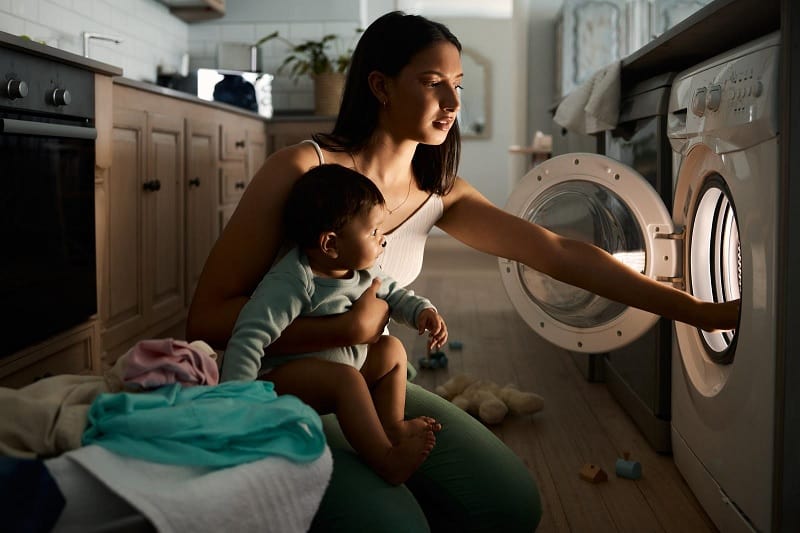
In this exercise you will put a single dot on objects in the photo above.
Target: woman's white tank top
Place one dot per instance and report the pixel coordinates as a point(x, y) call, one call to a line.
point(405, 244)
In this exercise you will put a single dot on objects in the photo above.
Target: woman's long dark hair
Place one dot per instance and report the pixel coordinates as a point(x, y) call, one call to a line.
point(386, 46)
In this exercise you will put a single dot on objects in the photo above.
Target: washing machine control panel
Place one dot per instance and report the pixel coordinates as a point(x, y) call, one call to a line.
point(735, 98)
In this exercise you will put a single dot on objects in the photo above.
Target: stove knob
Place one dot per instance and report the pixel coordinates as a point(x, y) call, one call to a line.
point(16, 89)
point(61, 97)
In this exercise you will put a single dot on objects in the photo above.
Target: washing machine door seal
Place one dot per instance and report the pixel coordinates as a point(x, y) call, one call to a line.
point(590, 197)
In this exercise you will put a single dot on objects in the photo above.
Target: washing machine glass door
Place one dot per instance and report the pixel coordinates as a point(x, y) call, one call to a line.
point(596, 199)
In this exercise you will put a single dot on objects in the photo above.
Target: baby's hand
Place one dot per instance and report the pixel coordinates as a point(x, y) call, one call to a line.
point(432, 322)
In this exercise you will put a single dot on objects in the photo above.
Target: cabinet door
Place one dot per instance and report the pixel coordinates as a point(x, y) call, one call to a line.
point(592, 36)
point(121, 306)
point(165, 293)
point(256, 150)
point(201, 177)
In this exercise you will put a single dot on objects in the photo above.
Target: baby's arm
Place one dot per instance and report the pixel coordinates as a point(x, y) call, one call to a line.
point(431, 321)
point(413, 310)
point(276, 302)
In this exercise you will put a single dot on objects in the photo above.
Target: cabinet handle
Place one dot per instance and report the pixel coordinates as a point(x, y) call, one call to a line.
point(152, 185)
point(239, 144)
point(239, 185)
point(194, 183)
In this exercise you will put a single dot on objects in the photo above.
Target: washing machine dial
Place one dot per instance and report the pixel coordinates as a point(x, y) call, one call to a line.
point(714, 97)
point(699, 102)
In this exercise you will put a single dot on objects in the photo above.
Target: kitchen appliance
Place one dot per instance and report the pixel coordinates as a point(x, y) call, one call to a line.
point(47, 225)
point(638, 375)
point(723, 128)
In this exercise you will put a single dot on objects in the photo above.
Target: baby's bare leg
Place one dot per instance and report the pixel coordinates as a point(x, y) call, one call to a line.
point(337, 388)
point(385, 374)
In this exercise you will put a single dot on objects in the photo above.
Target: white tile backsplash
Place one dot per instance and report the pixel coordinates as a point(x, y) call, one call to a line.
point(151, 36)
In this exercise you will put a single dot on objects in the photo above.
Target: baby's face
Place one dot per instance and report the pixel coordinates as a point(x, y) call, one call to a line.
point(361, 241)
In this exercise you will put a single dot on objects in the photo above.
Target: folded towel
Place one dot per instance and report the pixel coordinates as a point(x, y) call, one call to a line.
point(271, 494)
point(594, 105)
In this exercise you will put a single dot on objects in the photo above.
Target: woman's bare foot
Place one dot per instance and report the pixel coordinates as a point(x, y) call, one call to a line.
point(408, 428)
point(405, 457)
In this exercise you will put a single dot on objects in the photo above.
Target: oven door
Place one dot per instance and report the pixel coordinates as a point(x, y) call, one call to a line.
point(47, 228)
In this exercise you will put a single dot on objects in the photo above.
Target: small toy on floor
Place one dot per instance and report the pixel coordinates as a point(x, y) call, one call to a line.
point(488, 401)
point(593, 473)
point(627, 468)
point(434, 360)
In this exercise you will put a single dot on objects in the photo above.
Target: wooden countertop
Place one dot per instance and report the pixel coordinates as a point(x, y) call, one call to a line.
point(187, 97)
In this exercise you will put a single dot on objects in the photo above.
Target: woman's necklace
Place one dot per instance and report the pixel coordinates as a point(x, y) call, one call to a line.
point(398, 206)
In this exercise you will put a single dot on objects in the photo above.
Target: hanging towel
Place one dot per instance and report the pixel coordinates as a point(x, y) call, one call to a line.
point(594, 105)
point(224, 425)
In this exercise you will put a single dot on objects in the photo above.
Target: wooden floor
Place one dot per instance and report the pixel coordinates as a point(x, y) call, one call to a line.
point(581, 422)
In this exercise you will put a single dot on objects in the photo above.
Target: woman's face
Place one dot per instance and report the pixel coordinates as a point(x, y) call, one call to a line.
point(423, 98)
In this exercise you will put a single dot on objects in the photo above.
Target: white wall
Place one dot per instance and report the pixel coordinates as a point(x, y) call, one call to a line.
point(151, 35)
point(485, 163)
point(521, 81)
point(246, 21)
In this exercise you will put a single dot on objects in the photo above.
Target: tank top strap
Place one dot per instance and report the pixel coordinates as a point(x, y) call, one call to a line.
point(316, 148)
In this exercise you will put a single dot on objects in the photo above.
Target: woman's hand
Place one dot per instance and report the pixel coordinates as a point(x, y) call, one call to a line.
point(432, 322)
point(718, 316)
point(369, 315)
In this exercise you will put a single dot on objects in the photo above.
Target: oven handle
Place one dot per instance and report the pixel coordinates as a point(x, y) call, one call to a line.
point(25, 127)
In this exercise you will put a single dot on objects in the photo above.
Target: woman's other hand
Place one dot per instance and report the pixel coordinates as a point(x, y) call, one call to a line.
point(369, 315)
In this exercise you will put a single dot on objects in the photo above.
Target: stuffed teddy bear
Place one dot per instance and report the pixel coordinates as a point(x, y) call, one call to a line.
point(487, 400)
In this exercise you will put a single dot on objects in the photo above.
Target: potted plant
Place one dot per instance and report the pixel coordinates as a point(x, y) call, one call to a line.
point(320, 60)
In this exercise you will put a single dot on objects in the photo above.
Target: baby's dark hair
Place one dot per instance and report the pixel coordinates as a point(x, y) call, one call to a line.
point(324, 199)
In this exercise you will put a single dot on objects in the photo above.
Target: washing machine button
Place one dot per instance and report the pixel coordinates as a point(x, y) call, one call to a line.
point(714, 97)
point(758, 88)
point(699, 102)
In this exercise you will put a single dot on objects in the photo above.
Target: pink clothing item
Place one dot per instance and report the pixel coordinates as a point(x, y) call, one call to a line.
point(156, 362)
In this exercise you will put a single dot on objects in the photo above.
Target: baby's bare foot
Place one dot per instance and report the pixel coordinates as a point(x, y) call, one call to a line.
point(405, 458)
point(408, 428)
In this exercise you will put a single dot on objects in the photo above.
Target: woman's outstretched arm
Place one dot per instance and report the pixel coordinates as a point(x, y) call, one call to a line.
point(245, 251)
point(472, 219)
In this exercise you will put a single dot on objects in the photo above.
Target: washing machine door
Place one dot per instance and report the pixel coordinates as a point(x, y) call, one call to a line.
point(597, 199)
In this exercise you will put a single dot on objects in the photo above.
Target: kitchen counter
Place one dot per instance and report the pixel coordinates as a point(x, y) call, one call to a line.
point(14, 42)
point(187, 97)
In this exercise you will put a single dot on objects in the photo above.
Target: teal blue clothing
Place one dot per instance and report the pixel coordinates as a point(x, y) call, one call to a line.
point(224, 425)
point(289, 290)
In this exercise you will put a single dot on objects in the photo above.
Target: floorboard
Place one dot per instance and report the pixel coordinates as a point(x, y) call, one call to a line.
point(580, 423)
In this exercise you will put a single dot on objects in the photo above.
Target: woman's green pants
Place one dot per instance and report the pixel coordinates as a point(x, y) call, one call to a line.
point(470, 482)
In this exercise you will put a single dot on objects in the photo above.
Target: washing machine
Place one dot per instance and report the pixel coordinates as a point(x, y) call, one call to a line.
point(718, 243)
point(723, 128)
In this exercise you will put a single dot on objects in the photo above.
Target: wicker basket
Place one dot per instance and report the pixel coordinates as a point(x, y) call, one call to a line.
point(328, 93)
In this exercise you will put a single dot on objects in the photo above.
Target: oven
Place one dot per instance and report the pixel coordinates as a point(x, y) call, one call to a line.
point(48, 280)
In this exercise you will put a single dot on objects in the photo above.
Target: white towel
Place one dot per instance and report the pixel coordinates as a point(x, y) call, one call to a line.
point(272, 494)
point(594, 105)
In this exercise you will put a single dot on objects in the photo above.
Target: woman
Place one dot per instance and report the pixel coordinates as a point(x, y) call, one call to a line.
point(397, 125)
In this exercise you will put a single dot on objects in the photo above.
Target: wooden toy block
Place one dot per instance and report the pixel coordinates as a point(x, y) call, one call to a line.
point(593, 473)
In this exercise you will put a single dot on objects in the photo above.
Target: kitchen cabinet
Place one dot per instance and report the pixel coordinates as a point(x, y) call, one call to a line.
point(75, 351)
point(144, 287)
point(196, 10)
point(590, 34)
point(202, 140)
point(289, 131)
point(178, 170)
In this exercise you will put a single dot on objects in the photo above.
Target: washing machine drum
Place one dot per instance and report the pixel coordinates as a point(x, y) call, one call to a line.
point(596, 199)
